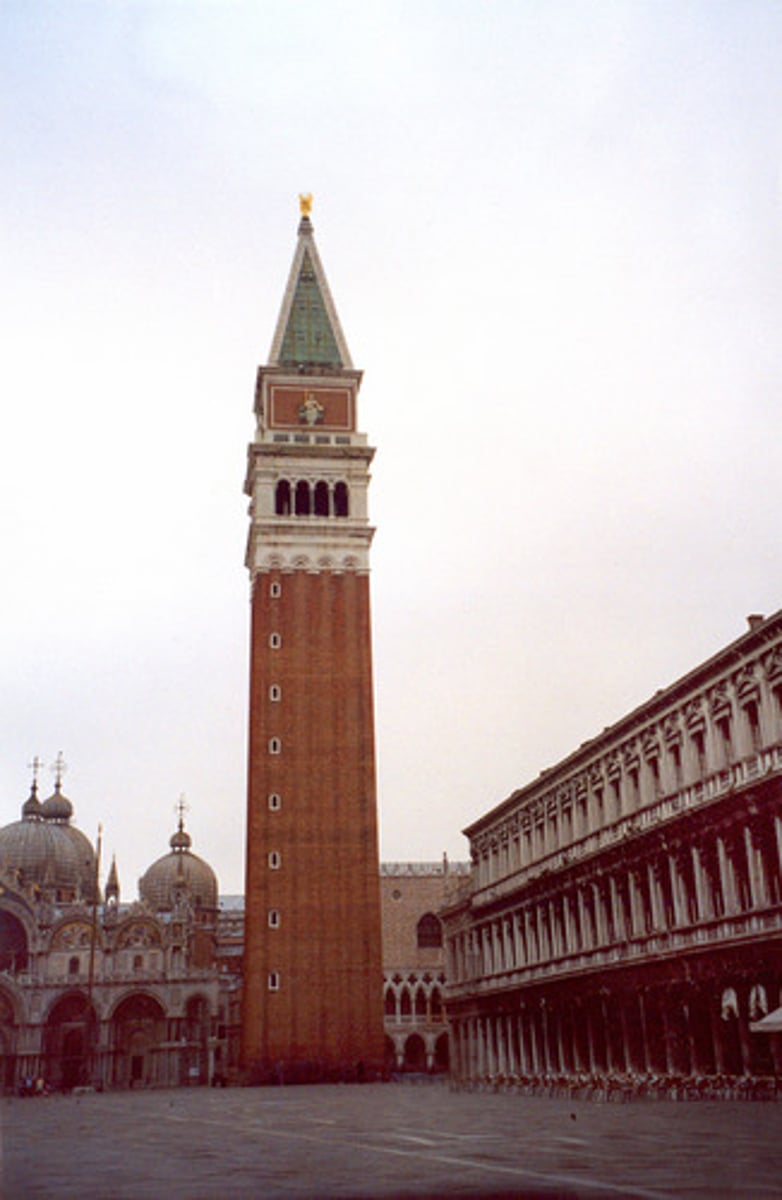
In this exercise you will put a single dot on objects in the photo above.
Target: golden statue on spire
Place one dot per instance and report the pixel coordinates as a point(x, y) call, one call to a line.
point(305, 203)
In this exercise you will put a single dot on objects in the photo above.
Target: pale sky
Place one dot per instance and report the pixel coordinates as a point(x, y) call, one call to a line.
point(553, 233)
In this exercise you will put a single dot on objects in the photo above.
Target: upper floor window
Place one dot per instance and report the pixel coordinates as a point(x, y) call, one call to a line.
point(73, 965)
point(699, 746)
point(724, 731)
point(654, 771)
point(676, 760)
point(430, 931)
point(753, 722)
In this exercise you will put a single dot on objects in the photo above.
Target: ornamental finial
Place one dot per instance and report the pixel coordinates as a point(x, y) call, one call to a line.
point(305, 203)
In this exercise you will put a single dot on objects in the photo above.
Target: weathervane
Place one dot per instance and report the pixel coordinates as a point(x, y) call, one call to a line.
point(305, 203)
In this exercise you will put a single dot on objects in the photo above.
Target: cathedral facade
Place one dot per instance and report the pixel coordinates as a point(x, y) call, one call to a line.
point(95, 992)
point(625, 910)
point(312, 1001)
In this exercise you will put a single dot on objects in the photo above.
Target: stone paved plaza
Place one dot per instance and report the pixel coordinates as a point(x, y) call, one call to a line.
point(389, 1140)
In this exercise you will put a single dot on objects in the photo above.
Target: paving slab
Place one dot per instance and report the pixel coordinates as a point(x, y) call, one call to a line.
point(383, 1140)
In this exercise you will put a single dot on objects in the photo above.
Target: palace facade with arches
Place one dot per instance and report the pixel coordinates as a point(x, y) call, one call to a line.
point(625, 909)
point(411, 896)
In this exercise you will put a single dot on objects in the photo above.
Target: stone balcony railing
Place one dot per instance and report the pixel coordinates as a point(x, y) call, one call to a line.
point(656, 945)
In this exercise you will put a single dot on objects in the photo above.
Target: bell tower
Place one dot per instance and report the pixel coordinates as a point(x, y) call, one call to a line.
point(312, 968)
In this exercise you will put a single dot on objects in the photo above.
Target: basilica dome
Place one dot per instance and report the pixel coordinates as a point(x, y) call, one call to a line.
point(47, 851)
point(179, 875)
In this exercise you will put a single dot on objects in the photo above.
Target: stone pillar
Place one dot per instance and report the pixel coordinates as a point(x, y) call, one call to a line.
point(616, 909)
point(546, 1038)
point(542, 941)
point(583, 921)
point(605, 1017)
point(778, 839)
point(480, 1048)
point(524, 1056)
point(532, 945)
point(588, 1022)
point(491, 1044)
point(703, 900)
point(668, 1032)
point(536, 1055)
point(678, 898)
point(636, 905)
point(570, 931)
point(715, 1020)
point(692, 1051)
point(510, 1037)
point(627, 1057)
point(658, 917)
point(518, 948)
point(555, 929)
point(744, 1034)
point(727, 877)
point(757, 883)
point(600, 919)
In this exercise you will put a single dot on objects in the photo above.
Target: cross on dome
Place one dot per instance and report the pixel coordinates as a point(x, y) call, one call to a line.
point(180, 808)
point(35, 767)
point(59, 766)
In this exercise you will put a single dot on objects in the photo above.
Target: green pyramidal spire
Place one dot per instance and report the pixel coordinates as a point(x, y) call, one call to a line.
point(309, 337)
point(308, 330)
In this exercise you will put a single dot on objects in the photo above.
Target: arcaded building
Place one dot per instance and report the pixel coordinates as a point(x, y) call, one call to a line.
point(312, 1004)
point(625, 909)
point(93, 991)
point(412, 895)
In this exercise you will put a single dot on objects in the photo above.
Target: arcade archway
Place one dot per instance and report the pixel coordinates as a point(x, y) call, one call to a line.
point(138, 1030)
point(69, 1042)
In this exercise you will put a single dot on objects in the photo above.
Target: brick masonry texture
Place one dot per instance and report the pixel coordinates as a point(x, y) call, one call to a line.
point(326, 949)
